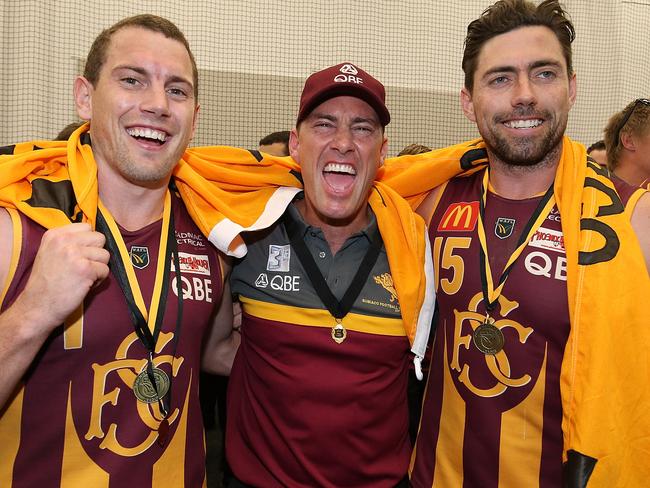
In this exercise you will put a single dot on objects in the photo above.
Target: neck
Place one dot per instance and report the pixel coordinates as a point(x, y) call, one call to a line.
point(335, 232)
point(521, 182)
point(631, 173)
point(132, 206)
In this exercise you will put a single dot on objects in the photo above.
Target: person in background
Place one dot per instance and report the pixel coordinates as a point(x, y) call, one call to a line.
point(276, 143)
point(598, 152)
point(627, 136)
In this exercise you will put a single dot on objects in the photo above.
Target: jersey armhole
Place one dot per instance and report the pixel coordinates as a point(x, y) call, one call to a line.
point(632, 201)
point(17, 233)
point(430, 203)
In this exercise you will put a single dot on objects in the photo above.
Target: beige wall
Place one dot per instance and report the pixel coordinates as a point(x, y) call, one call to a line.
point(254, 56)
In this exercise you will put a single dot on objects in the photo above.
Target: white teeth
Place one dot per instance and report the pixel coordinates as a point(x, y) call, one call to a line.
point(523, 124)
point(147, 133)
point(340, 168)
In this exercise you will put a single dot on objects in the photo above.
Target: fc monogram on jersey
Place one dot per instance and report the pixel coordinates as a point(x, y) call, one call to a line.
point(498, 365)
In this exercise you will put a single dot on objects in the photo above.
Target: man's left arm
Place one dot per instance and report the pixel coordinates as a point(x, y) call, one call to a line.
point(222, 340)
point(641, 225)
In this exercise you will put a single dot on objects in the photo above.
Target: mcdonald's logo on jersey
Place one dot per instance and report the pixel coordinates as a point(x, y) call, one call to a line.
point(461, 216)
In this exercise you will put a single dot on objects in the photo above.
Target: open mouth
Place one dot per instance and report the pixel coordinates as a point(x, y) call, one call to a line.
point(339, 176)
point(147, 135)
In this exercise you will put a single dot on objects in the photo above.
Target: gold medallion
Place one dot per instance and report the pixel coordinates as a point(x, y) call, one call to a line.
point(488, 338)
point(144, 390)
point(339, 333)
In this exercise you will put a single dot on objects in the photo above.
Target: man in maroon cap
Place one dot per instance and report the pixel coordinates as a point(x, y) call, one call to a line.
point(311, 403)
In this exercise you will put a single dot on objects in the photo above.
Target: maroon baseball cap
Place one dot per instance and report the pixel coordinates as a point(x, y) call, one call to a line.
point(344, 79)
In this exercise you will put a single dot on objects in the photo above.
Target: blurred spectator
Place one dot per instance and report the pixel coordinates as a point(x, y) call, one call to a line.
point(414, 149)
point(627, 138)
point(68, 129)
point(598, 152)
point(276, 143)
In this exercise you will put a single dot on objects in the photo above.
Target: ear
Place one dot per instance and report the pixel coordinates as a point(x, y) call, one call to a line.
point(383, 151)
point(467, 104)
point(627, 140)
point(195, 120)
point(83, 91)
point(293, 145)
point(573, 89)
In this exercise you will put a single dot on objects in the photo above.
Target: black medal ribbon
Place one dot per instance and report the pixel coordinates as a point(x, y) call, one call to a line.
point(490, 305)
point(140, 326)
point(338, 309)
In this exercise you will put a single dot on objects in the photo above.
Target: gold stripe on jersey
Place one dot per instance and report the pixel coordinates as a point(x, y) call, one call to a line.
point(77, 468)
point(449, 451)
point(166, 470)
point(521, 437)
point(315, 317)
point(10, 423)
point(74, 329)
point(16, 246)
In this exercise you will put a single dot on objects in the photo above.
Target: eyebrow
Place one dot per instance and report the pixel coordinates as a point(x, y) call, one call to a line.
point(512, 69)
point(356, 120)
point(144, 72)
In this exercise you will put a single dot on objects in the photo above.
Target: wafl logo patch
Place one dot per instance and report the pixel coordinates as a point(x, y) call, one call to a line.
point(139, 256)
point(503, 227)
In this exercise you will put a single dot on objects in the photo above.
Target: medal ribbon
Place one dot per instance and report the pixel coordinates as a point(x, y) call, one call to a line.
point(490, 293)
point(147, 323)
point(336, 308)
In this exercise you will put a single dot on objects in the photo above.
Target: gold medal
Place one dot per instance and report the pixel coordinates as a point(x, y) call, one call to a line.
point(338, 332)
point(144, 390)
point(488, 338)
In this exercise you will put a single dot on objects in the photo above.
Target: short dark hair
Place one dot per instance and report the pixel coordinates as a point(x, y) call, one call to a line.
point(273, 137)
point(596, 146)
point(414, 149)
point(507, 15)
point(97, 54)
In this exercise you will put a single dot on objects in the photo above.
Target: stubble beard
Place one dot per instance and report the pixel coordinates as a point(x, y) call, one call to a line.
point(145, 174)
point(526, 152)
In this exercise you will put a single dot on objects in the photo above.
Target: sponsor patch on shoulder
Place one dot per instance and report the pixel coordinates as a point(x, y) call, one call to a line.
point(549, 239)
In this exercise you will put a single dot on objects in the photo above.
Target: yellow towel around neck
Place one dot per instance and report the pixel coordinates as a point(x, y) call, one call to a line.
point(226, 191)
point(605, 377)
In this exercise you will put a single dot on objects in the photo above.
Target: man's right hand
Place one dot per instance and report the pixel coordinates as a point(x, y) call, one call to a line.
point(69, 262)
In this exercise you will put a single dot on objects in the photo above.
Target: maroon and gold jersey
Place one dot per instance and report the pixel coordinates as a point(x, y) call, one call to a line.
point(494, 421)
point(303, 410)
point(74, 420)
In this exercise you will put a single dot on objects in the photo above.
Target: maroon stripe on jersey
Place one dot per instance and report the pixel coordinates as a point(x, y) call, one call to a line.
point(481, 448)
point(550, 469)
point(38, 407)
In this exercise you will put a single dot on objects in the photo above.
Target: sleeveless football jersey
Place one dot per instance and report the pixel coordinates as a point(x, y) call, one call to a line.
point(304, 411)
point(488, 420)
point(75, 420)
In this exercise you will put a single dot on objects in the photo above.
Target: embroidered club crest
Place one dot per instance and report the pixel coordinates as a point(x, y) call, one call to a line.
point(503, 227)
point(139, 256)
point(386, 281)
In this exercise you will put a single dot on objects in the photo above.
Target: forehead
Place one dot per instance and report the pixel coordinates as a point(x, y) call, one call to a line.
point(345, 106)
point(520, 48)
point(144, 48)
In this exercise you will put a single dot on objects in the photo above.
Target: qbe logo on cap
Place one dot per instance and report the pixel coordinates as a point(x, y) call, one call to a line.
point(348, 75)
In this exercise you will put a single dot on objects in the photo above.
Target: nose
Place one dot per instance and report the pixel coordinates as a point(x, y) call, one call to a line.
point(342, 140)
point(524, 93)
point(155, 100)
